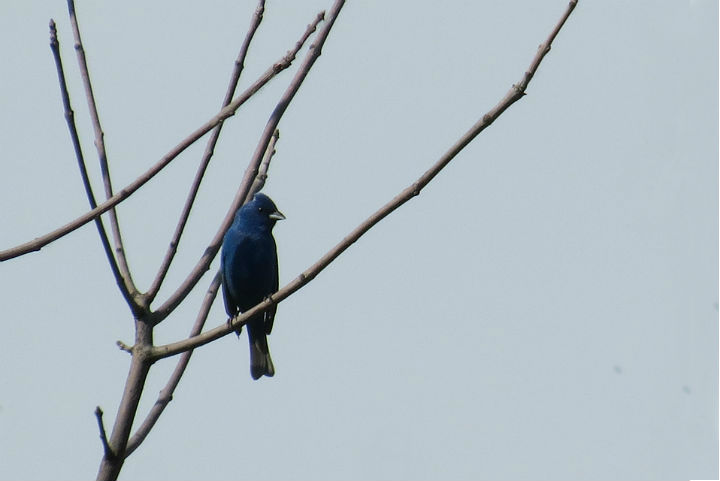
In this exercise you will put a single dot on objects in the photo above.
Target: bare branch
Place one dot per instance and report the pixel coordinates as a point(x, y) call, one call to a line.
point(110, 466)
point(141, 360)
point(41, 241)
point(102, 155)
point(261, 176)
point(124, 347)
point(515, 93)
point(207, 155)
point(75, 138)
point(103, 435)
point(166, 393)
point(203, 264)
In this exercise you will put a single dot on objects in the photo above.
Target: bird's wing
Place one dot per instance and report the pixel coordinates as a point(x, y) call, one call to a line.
point(230, 305)
point(270, 313)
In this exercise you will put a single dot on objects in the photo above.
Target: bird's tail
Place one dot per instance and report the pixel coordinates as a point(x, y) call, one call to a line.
point(260, 362)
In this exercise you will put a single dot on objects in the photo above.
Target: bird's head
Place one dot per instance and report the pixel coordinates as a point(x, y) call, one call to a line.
point(260, 211)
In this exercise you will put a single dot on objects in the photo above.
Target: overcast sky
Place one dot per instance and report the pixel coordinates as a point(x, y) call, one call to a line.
point(546, 309)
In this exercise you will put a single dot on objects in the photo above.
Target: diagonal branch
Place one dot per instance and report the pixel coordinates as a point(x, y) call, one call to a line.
point(203, 265)
point(262, 174)
point(227, 112)
point(70, 119)
point(102, 155)
point(516, 92)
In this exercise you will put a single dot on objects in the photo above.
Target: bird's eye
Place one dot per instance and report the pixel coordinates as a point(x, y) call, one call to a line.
point(259, 209)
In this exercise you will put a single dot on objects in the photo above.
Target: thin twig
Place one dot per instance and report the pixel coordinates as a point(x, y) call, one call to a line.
point(43, 240)
point(203, 265)
point(207, 155)
point(75, 138)
point(103, 435)
point(516, 92)
point(124, 347)
point(102, 154)
point(262, 174)
point(166, 393)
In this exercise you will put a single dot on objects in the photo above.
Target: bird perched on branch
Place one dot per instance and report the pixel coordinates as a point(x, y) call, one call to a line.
point(249, 268)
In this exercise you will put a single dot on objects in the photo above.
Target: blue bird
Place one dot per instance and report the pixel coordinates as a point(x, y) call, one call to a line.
point(249, 269)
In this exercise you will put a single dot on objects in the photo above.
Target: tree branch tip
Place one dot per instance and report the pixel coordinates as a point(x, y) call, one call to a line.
point(123, 346)
point(103, 434)
point(319, 18)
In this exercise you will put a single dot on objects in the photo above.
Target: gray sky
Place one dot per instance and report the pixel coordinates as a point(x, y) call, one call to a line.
point(545, 309)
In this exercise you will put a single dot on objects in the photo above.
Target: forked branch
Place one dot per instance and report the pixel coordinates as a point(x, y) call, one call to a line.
point(75, 138)
point(203, 264)
point(120, 256)
point(212, 141)
point(39, 242)
point(516, 92)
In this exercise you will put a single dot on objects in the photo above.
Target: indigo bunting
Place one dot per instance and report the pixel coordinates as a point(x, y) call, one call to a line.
point(249, 268)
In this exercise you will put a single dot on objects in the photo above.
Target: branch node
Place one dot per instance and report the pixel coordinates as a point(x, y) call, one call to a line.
point(164, 398)
point(416, 188)
point(124, 347)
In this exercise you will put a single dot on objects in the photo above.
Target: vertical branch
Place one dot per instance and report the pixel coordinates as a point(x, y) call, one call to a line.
point(70, 119)
point(207, 155)
point(100, 146)
point(114, 458)
point(166, 394)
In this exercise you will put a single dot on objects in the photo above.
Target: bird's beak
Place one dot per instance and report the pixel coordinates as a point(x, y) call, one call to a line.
point(277, 215)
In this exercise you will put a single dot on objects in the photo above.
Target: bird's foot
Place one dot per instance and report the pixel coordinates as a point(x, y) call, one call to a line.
point(229, 323)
